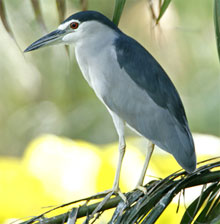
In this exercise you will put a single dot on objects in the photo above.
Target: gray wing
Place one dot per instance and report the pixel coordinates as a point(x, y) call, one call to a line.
point(162, 119)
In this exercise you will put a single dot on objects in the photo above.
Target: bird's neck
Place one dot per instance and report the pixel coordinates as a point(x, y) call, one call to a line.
point(95, 42)
point(93, 50)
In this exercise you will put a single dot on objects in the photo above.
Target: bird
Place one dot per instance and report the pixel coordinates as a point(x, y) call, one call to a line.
point(131, 84)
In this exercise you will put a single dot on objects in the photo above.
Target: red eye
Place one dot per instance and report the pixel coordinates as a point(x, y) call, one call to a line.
point(74, 25)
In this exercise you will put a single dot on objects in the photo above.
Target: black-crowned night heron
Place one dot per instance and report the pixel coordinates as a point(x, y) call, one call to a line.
point(130, 83)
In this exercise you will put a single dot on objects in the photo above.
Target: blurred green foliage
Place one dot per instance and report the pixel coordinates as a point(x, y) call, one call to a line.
point(44, 91)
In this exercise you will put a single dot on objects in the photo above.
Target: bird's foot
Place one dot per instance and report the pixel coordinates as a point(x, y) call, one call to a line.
point(120, 194)
point(141, 188)
point(113, 191)
point(107, 195)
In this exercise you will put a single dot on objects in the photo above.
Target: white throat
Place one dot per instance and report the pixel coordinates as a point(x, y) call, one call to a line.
point(95, 34)
point(93, 52)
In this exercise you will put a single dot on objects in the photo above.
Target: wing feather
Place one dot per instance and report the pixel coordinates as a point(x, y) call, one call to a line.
point(167, 127)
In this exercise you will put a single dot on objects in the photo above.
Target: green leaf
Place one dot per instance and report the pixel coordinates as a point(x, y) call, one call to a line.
point(163, 9)
point(217, 24)
point(146, 208)
point(159, 208)
point(193, 209)
point(72, 216)
point(212, 207)
point(119, 5)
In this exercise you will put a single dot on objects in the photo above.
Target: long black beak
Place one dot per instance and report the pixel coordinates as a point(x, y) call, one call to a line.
point(54, 37)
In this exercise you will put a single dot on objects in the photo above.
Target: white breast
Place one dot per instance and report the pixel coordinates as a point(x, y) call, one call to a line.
point(96, 58)
point(110, 82)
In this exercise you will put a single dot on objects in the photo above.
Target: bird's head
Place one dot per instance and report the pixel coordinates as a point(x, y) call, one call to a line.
point(76, 28)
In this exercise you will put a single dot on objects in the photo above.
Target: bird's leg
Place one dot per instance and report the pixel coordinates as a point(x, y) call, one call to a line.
point(115, 188)
point(119, 125)
point(146, 163)
point(122, 146)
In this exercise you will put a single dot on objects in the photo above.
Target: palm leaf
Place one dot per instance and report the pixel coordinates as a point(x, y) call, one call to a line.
point(147, 208)
point(194, 208)
point(163, 8)
point(217, 24)
point(211, 210)
point(119, 5)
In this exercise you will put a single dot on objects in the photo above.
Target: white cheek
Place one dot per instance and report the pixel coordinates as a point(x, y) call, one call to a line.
point(70, 38)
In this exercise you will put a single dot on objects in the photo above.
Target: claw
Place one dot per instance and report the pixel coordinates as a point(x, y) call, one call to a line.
point(108, 194)
point(113, 191)
point(141, 188)
point(122, 196)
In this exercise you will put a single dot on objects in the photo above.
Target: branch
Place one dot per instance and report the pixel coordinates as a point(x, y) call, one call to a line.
point(159, 194)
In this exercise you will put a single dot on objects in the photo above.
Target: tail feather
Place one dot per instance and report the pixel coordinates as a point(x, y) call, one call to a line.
point(185, 150)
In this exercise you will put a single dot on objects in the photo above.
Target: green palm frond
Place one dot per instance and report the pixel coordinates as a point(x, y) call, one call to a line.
point(119, 6)
point(217, 24)
point(209, 200)
point(163, 8)
point(147, 208)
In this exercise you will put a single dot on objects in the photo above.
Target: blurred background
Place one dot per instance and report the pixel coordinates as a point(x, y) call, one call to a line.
point(43, 92)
